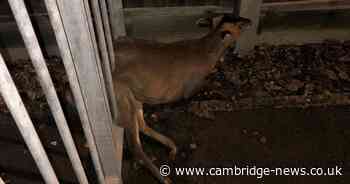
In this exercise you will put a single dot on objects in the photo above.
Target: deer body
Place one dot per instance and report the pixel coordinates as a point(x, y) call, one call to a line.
point(161, 73)
point(155, 73)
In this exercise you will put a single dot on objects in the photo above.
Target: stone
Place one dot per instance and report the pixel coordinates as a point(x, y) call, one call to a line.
point(294, 85)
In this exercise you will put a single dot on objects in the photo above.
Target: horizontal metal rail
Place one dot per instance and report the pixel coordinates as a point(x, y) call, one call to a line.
point(14, 102)
point(31, 42)
point(306, 5)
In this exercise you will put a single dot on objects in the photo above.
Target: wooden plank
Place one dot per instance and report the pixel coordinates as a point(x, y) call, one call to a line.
point(249, 9)
point(77, 23)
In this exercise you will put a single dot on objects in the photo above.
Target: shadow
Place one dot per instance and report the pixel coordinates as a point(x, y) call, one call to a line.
point(33, 8)
point(3, 49)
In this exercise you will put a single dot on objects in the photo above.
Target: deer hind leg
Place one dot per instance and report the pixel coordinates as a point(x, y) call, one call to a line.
point(128, 109)
point(133, 138)
point(144, 128)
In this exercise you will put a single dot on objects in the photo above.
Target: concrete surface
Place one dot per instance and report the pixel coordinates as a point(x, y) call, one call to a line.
point(173, 24)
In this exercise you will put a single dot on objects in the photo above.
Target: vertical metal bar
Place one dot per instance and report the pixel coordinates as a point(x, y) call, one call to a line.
point(62, 42)
point(104, 56)
point(35, 53)
point(13, 101)
point(88, 18)
point(76, 20)
point(117, 133)
point(108, 33)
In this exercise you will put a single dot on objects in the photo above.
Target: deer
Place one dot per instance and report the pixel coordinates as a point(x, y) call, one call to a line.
point(150, 72)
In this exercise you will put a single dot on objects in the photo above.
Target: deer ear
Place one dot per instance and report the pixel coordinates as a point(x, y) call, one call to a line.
point(216, 20)
point(204, 22)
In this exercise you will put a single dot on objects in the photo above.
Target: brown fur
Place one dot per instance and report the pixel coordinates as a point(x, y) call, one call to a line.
point(156, 73)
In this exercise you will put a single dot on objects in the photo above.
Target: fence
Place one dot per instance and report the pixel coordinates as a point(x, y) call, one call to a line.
point(141, 13)
point(88, 66)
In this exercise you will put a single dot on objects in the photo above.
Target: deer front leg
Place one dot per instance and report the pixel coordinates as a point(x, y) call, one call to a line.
point(144, 128)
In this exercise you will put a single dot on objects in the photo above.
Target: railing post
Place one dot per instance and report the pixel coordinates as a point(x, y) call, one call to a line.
point(79, 30)
point(249, 9)
point(67, 58)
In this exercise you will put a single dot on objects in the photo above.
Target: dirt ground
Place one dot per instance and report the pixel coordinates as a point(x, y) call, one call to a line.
point(285, 106)
point(317, 137)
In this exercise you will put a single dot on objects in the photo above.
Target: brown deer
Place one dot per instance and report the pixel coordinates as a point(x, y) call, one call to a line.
point(155, 73)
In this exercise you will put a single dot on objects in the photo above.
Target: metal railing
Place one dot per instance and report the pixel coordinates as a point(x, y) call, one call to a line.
point(1, 181)
point(306, 5)
point(99, 139)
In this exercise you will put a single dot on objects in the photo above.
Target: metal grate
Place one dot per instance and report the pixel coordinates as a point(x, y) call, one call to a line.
point(89, 74)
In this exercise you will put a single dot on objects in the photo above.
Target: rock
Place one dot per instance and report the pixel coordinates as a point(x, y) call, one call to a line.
point(294, 85)
point(193, 146)
point(199, 109)
point(260, 93)
point(233, 76)
point(343, 75)
point(205, 108)
point(295, 72)
point(245, 103)
point(345, 58)
point(277, 75)
point(295, 100)
point(263, 140)
point(222, 59)
point(330, 74)
point(308, 89)
point(255, 133)
point(261, 76)
point(326, 93)
point(154, 117)
point(217, 84)
point(233, 98)
point(271, 86)
point(53, 143)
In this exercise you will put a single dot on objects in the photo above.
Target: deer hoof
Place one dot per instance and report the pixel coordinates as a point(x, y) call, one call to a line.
point(172, 154)
point(167, 181)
